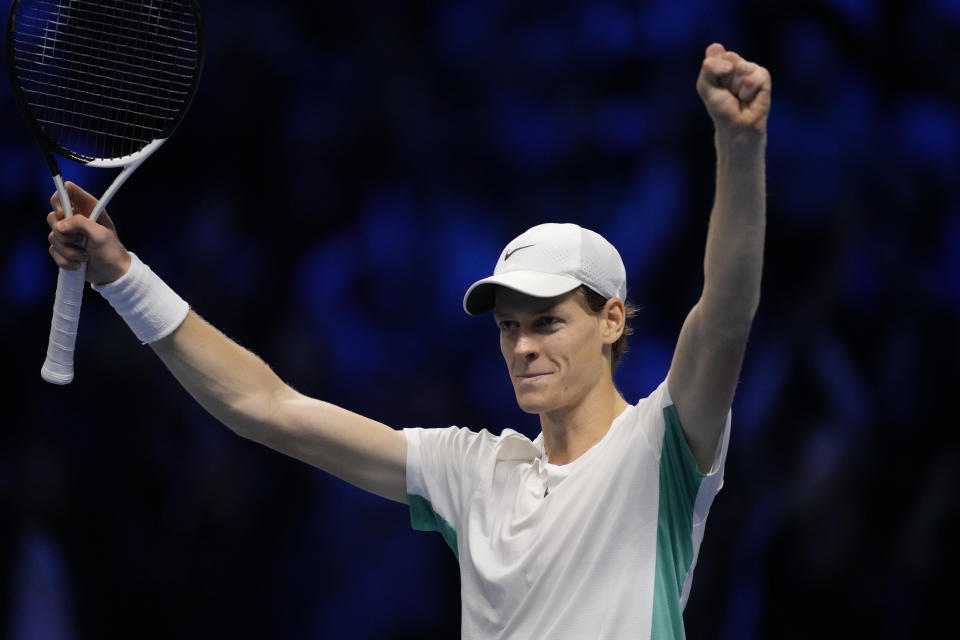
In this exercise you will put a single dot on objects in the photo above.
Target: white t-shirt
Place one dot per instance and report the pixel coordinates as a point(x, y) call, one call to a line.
point(602, 547)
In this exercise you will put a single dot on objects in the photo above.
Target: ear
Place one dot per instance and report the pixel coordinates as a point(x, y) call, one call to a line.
point(613, 317)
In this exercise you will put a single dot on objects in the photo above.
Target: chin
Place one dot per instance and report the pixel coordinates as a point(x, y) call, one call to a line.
point(532, 405)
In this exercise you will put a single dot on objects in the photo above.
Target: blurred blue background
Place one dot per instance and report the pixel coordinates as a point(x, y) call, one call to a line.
point(347, 171)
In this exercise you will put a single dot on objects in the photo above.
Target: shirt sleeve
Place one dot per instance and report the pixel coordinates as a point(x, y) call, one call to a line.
point(681, 461)
point(686, 495)
point(443, 467)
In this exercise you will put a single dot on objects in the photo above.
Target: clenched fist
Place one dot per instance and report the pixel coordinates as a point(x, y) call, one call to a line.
point(735, 91)
point(76, 239)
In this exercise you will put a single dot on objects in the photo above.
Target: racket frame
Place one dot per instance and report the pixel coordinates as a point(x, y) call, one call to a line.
point(58, 365)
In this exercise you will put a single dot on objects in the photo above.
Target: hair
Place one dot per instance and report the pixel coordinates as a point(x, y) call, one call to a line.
point(596, 303)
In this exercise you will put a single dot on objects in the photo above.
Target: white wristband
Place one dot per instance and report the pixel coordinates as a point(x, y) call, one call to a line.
point(151, 308)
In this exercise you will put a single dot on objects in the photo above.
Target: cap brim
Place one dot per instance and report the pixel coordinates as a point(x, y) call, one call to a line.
point(480, 297)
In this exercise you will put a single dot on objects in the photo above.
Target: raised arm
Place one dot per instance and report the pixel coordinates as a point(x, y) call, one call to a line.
point(235, 385)
point(709, 353)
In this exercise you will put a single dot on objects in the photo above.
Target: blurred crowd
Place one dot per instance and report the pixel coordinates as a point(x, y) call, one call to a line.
point(346, 171)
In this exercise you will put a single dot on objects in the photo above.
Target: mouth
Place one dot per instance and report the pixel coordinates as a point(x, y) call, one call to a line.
point(532, 377)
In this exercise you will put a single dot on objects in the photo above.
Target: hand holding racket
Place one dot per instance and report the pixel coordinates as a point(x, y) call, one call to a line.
point(104, 83)
point(77, 242)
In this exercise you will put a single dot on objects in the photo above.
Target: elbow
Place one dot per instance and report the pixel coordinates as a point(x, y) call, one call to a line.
point(257, 416)
point(730, 312)
point(742, 320)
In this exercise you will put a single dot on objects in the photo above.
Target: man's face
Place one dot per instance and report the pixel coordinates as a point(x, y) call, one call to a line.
point(553, 348)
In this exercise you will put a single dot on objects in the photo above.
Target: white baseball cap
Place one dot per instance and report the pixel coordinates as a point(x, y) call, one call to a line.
point(549, 260)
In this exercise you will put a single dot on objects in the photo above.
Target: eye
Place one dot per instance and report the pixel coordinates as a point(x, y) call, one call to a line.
point(547, 321)
point(506, 325)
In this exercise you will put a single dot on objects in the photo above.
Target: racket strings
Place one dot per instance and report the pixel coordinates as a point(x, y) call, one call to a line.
point(104, 78)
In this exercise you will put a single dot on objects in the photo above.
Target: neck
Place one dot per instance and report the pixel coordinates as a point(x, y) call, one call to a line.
point(570, 431)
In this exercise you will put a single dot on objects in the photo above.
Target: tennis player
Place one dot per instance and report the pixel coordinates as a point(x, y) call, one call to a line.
point(592, 529)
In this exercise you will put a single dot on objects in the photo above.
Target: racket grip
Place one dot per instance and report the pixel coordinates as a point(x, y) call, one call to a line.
point(58, 367)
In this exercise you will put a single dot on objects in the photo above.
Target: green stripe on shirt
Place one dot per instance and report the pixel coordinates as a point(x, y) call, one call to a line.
point(424, 518)
point(679, 483)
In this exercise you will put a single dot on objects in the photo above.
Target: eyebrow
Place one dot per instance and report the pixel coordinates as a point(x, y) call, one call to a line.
point(536, 311)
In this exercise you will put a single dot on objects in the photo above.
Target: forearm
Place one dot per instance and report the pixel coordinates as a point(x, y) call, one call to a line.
point(733, 261)
point(230, 382)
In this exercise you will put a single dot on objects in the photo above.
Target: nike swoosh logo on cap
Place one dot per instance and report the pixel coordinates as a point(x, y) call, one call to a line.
point(507, 255)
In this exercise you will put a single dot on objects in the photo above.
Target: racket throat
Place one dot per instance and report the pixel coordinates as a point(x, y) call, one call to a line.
point(62, 192)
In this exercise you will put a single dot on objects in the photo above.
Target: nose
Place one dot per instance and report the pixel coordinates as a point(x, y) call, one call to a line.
point(526, 346)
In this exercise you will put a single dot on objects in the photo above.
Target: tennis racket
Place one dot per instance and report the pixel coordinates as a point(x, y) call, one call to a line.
point(104, 83)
